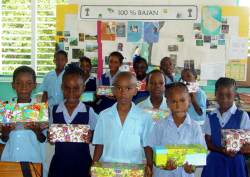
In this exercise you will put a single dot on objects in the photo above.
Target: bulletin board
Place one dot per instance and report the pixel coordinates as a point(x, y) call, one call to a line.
point(214, 43)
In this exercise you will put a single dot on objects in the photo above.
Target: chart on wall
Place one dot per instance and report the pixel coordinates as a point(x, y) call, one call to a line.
point(192, 36)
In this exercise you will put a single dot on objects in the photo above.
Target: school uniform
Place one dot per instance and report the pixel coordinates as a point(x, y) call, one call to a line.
point(122, 143)
point(72, 159)
point(52, 85)
point(90, 84)
point(165, 132)
point(174, 78)
point(201, 99)
point(141, 95)
point(146, 104)
point(23, 146)
point(104, 102)
point(219, 164)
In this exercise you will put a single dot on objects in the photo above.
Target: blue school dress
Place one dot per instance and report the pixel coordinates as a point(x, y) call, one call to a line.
point(104, 102)
point(90, 84)
point(71, 159)
point(218, 164)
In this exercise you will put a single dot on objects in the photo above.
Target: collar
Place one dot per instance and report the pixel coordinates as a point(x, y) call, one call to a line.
point(187, 120)
point(231, 110)
point(80, 107)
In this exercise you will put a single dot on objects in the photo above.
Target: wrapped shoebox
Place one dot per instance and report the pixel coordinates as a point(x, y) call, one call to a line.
point(26, 113)
point(68, 132)
point(157, 114)
point(104, 169)
point(104, 90)
point(141, 85)
point(192, 154)
point(233, 139)
point(87, 97)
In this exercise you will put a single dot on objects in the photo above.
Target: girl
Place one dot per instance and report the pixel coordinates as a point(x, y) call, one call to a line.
point(227, 116)
point(115, 61)
point(167, 67)
point(178, 128)
point(72, 159)
point(24, 144)
point(156, 88)
point(197, 108)
point(140, 67)
point(89, 80)
point(120, 135)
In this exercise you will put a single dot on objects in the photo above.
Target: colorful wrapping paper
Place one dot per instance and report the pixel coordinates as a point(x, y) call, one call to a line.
point(87, 97)
point(23, 112)
point(104, 90)
point(233, 139)
point(104, 169)
point(68, 132)
point(141, 85)
point(157, 114)
point(193, 154)
point(192, 86)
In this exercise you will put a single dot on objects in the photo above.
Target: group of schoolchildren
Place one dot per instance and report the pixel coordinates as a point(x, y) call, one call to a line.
point(120, 129)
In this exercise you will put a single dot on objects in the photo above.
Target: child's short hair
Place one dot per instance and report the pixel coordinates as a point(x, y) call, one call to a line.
point(24, 69)
point(173, 86)
point(190, 70)
point(86, 59)
point(163, 59)
point(153, 72)
point(125, 74)
point(139, 59)
point(225, 82)
point(118, 55)
point(72, 69)
point(61, 52)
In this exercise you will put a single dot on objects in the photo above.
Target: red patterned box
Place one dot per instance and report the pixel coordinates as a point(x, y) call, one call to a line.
point(233, 139)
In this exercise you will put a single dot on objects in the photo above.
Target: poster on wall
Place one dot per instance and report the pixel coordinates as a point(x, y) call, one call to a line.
point(134, 31)
point(151, 32)
point(211, 20)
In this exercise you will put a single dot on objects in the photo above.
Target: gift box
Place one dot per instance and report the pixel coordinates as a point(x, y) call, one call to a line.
point(194, 154)
point(104, 90)
point(141, 85)
point(192, 86)
point(28, 113)
point(87, 97)
point(233, 139)
point(157, 114)
point(68, 132)
point(104, 169)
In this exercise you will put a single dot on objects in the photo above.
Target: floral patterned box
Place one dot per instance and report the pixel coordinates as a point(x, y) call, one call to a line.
point(141, 85)
point(233, 139)
point(24, 113)
point(157, 114)
point(104, 90)
point(104, 169)
point(68, 132)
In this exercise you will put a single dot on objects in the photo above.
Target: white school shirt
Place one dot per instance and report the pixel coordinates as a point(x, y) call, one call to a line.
point(147, 104)
point(165, 132)
point(224, 118)
point(122, 143)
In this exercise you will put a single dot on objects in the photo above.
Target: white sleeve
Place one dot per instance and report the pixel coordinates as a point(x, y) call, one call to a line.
point(92, 118)
point(245, 122)
point(206, 127)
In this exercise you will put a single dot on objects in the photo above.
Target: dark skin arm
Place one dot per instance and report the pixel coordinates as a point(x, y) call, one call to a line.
point(6, 129)
point(38, 131)
point(45, 97)
point(211, 147)
point(197, 108)
point(149, 157)
point(97, 153)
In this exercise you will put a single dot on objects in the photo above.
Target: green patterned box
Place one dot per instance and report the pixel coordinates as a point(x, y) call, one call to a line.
point(193, 154)
point(106, 169)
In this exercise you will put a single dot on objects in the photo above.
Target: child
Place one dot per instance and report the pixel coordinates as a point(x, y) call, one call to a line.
point(115, 62)
point(177, 128)
point(167, 67)
point(197, 109)
point(140, 67)
point(23, 144)
point(122, 129)
point(227, 116)
point(156, 88)
point(52, 82)
point(90, 81)
point(72, 159)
